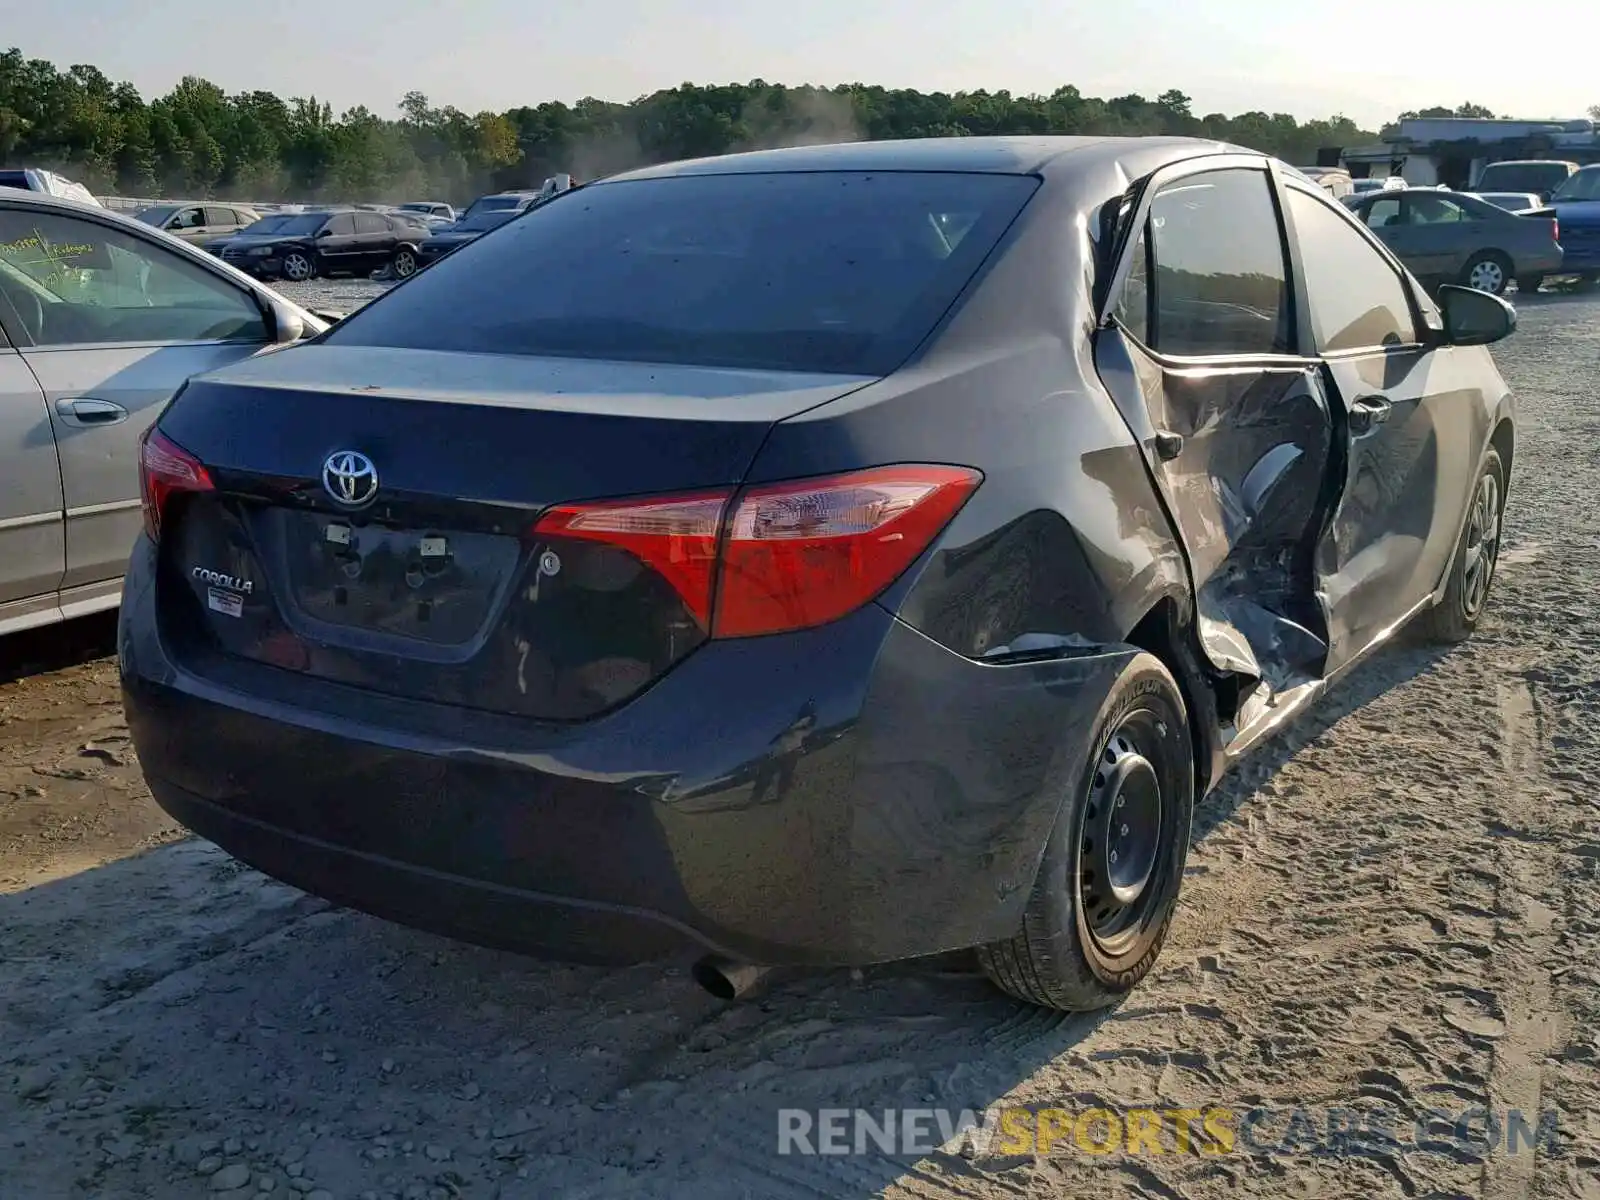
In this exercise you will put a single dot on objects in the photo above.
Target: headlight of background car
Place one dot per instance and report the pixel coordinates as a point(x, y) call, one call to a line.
point(258, 250)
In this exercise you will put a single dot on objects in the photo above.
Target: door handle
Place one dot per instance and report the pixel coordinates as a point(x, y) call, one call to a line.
point(1367, 412)
point(85, 410)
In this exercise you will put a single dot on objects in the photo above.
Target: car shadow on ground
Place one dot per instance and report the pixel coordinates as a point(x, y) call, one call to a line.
point(57, 647)
point(1555, 294)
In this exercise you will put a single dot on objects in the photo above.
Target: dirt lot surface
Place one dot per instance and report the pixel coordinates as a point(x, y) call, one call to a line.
point(1395, 908)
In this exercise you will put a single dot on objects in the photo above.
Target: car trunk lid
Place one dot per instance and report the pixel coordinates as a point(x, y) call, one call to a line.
point(436, 589)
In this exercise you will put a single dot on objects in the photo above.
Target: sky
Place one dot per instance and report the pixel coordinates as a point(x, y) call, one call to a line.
point(1310, 58)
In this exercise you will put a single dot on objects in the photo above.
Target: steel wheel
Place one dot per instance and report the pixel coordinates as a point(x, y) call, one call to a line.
point(405, 265)
point(298, 267)
point(1483, 546)
point(1122, 834)
point(1109, 877)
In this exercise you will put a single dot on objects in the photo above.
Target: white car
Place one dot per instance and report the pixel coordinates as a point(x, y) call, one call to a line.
point(31, 179)
point(102, 319)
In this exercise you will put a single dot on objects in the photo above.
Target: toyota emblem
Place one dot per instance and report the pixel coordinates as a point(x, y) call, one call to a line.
point(350, 478)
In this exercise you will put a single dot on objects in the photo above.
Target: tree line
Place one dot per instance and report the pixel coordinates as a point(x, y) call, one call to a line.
point(200, 141)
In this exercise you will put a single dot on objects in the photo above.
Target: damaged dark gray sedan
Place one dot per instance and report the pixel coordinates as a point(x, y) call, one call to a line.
point(812, 557)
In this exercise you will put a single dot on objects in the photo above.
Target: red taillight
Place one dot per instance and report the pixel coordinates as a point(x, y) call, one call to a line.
point(803, 554)
point(1555, 229)
point(166, 468)
point(676, 535)
point(780, 556)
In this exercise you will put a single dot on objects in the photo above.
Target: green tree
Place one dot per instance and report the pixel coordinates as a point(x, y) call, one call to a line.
point(197, 140)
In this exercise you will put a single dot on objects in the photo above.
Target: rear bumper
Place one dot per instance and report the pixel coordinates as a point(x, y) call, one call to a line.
point(1544, 261)
point(908, 820)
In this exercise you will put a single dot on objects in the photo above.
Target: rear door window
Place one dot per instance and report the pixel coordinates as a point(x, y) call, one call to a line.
point(1384, 213)
point(1436, 210)
point(371, 223)
point(1357, 299)
point(817, 271)
point(1217, 267)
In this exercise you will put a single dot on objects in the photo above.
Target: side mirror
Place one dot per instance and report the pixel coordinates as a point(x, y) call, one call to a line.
point(287, 324)
point(1474, 318)
point(322, 233)
point(323, 314)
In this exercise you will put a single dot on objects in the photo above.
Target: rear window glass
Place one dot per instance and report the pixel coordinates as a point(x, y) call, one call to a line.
point(827, 271)
point(1522, 177)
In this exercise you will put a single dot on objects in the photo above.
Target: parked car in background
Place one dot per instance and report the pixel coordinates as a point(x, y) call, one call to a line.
point(1541, 176)
point(1451, 237)
point(431, 209)
point(1361, 187)
point(765, 555)
point(48, 183)
point(258, 234)
point(1335, 181)
point(1517, 202)
point(101, 321)
point(199, 223)
point(266, 225)
point(1577, 206)
point(308, 245)
point(482, 215)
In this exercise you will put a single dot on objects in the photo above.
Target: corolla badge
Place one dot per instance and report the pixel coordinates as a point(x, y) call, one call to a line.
point(350, 478)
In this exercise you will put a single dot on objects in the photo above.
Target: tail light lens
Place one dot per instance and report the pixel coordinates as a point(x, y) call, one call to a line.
point(165, 469)
point(1555, 229)
point(677, 536)
point(780, 556)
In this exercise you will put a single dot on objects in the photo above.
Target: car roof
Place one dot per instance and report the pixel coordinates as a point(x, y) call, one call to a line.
point(1022, 155)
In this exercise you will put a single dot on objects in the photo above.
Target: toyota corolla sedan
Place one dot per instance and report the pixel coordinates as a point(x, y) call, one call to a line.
point(843, 554)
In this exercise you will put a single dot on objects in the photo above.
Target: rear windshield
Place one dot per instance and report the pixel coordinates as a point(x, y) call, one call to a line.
point(828, 271)
point(1522, 177)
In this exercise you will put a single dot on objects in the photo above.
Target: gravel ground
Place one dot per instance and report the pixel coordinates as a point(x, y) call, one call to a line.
point(1394, 907)
point(340, 295)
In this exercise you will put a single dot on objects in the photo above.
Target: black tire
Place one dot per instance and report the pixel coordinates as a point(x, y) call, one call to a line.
point(404, 264)
point(1488, 271)
point(1527, 285)
point(1081, 947)
point(1466, 594)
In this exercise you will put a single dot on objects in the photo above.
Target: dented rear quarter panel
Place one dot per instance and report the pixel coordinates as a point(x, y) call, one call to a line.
point(1007, 384)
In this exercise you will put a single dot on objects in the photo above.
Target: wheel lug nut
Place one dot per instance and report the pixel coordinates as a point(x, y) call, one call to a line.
point(1113, 856)
point(1121, 800)
point(1124, 831)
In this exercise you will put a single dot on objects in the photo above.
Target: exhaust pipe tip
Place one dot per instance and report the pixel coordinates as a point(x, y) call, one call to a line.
point(729, 980)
